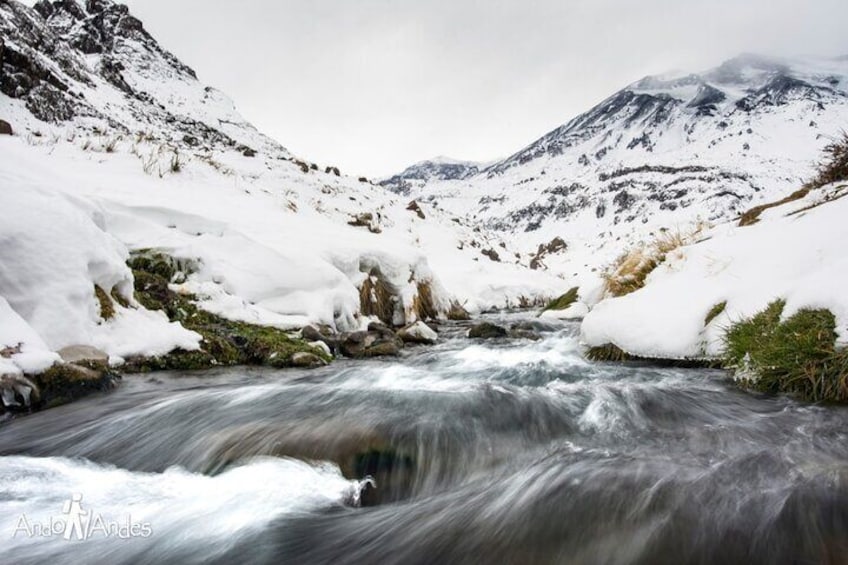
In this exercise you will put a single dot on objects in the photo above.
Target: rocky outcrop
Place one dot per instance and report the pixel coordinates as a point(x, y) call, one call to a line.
point(6, 128)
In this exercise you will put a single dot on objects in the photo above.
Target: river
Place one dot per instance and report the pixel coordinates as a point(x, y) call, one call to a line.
point(506, 451)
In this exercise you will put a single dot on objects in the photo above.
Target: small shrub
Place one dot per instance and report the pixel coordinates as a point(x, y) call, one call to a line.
point(834, 167)
point(563, 301)
point(715, 312)
point(796, 356)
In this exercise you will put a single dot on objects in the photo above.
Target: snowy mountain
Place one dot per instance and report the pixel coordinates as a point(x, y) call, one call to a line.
point(436, 169)
point(118, 147)
point(94, 63)
point(662, 153)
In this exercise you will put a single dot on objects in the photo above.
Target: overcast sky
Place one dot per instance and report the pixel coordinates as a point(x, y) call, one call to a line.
point(374, 85)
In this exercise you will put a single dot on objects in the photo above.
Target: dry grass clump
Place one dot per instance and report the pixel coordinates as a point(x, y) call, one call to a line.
point(629, 272)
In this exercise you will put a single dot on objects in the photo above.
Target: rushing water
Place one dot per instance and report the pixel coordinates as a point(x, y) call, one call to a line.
point(496, 452)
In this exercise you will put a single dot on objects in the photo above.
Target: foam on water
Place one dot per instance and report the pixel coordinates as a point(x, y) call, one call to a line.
point(237, 501)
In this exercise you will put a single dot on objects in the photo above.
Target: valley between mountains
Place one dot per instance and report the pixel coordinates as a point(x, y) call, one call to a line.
point(146, 225)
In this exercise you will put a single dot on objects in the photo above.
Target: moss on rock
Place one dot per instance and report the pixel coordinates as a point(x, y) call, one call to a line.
point(225, 342)
point(66, 382)
point(608, 353)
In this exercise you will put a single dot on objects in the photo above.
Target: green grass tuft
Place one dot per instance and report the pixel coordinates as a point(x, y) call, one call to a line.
point(564, 301)
point(796, 356)
point(715, 312)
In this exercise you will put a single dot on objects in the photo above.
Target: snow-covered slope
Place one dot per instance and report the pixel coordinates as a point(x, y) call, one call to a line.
point(664, 152)
point(796, 252)
point(119, 147)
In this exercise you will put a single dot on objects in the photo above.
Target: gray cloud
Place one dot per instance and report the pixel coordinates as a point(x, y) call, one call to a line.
point(374, 85)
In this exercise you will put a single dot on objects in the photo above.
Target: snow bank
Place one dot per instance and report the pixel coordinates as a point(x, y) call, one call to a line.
point(268, 244)
point(53, 251)
point(800, 258)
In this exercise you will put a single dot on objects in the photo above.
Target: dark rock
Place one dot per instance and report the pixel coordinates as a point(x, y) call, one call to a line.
point(382, 329)
point(384, 348)
point(534, 326)
point(248, 152)
point(414, 207)
point(65, 382)
point(18, 392)
point(487, 330)
point(556, 245)
point(323, 334)
point(492, 254)
point(363, 344)
point(5, 128)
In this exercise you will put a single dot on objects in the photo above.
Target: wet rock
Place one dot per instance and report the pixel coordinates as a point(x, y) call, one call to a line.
point(84, 355)
point(65, 382)
point(535, 326)
point(381, 328)
point(322, 334)
point(384, 348)
point(525, 334)
point(307, 360)
point(5, 128)
point(487, 330)
point(18, 392)
point(369, 344)
point(419, 332)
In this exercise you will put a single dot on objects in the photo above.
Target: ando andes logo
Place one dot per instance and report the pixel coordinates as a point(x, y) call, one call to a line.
point(78, 524)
